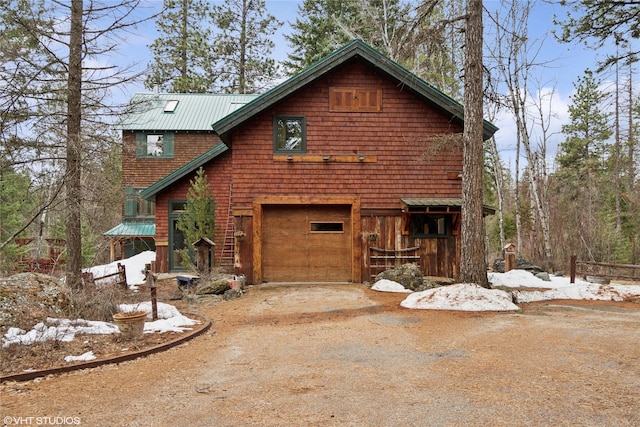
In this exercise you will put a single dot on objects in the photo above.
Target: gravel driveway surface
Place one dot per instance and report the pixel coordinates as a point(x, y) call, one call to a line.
point(343, 355)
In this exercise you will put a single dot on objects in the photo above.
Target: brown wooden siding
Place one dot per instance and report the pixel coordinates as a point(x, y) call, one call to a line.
point(218, 173)
point(394, 142)
point(142, 172)
point(398, 135)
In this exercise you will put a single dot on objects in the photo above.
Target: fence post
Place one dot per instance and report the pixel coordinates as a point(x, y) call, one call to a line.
point(572, 269)
point(150, 278)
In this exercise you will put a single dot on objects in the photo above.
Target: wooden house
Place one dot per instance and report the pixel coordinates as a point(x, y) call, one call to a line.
point(339, 172)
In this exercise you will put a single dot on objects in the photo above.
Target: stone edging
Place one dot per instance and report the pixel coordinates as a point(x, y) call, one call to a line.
point(26, 376)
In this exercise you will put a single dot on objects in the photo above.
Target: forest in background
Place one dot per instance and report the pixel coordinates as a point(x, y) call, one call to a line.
point(60, 169)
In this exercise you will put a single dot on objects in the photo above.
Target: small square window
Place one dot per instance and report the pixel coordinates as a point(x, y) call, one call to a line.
point(155, 145)
point(289, 134)
point(137, 207)
point(428, 225)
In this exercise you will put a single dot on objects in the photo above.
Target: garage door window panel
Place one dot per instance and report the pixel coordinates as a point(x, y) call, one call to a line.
point(326, 227)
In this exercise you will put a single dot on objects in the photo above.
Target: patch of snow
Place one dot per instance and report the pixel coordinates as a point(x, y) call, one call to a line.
point(82, 358)
point(579, 292)
point(134, 267)
point(519, 278)
point(169, 318)
point(386, 285)
point(63, 330)
point(471, 297)
point(461, 296)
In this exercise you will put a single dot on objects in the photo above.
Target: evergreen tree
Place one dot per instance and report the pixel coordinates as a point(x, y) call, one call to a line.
point(411, 35)
point(244, 45)
point(579, 182)
point(473, 264)
point(183, 57)
point(198, 219)
point(57, 88)
point(596, 21)
point(584, 149)
point(16, 201)
point(318, 31)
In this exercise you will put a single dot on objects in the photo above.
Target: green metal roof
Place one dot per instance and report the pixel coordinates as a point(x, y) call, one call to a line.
point(182, 171)
point(355, 49)
point(424, 202)
point(133, 229)
point(193, 112)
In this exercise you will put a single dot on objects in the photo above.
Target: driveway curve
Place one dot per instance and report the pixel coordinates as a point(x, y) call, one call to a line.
point(343, 355)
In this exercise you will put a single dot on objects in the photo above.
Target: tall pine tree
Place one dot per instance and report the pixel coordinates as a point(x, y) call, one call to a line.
point(184, 58)
point(580, 183)
point(411, 35)
point(244, 45)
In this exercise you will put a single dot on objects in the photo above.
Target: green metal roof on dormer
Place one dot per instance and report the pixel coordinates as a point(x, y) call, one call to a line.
point(183, 171)
point(355, 49)
point(179, 111)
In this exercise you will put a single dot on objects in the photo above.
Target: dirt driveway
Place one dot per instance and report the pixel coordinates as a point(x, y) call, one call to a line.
point(348, 356)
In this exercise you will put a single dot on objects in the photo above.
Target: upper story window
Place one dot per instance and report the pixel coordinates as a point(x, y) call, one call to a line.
point(137, 207)
point(154, 145)
point(289, 134)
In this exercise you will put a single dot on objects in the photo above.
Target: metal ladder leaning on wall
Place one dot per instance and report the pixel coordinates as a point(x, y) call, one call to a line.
point(228, 248)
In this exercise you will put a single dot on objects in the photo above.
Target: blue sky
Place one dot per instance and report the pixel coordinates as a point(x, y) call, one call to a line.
point(566, 62)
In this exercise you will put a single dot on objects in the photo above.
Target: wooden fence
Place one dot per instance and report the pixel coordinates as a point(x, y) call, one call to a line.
point(121, 279)
point(604, 269)
point(384, 259)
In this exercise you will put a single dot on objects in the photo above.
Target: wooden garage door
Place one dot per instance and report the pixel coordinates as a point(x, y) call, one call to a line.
point(306, 243)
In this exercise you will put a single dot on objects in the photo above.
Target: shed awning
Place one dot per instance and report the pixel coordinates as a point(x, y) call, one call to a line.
point(437, 204)
point(133, 229)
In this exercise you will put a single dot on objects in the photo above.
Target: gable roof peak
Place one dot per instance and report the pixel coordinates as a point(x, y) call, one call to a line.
point(356, 48)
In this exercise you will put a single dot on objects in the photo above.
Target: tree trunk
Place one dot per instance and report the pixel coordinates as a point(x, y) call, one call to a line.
point(242, 66)
point(473, 267)
point(499, 180)
point(74, 149)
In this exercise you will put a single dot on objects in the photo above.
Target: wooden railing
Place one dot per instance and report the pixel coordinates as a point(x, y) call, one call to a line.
point(603, 269)
point(121, 279)
point(385, 259)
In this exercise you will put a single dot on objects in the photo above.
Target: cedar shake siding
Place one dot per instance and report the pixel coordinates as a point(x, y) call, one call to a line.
point(359, 178)
point(398, 136)
point(218, 175)
point(399, 161)
point(140, 172)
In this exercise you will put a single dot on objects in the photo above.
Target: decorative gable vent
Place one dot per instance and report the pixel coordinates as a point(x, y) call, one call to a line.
point(362, 100)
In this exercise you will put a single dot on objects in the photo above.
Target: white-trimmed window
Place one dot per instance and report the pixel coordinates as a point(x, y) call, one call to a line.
point(154, 145)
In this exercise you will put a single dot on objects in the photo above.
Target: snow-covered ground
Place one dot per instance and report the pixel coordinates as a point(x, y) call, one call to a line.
point(169, 318)
point(134, 268)
point(471, 297)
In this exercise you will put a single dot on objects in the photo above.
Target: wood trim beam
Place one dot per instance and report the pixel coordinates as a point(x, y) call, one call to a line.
point(325, 158)
point(244, 211)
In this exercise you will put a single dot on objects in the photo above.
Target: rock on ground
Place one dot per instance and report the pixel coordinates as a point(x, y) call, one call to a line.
point(408, 275)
